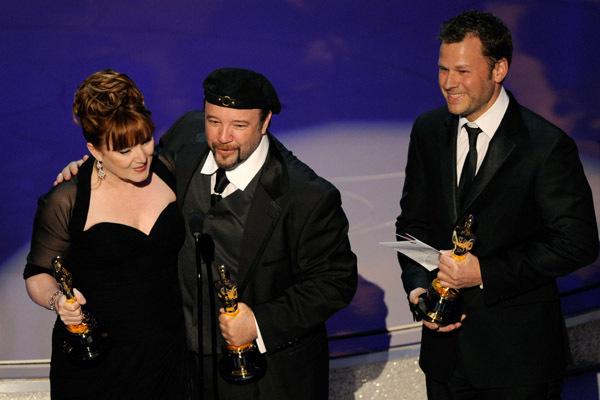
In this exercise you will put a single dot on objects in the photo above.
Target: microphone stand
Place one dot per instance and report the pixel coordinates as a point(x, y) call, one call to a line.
point(208, 247)
point(196, 227)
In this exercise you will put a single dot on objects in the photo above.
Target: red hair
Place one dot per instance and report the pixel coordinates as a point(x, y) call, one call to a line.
point(111, 111)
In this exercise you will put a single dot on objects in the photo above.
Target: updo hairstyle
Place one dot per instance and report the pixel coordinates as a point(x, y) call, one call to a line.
point(111, 111)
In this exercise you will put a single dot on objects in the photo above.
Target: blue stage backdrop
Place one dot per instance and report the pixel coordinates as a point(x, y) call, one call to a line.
point(352, 76)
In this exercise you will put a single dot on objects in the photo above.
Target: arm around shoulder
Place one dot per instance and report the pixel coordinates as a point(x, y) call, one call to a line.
point(188, 129)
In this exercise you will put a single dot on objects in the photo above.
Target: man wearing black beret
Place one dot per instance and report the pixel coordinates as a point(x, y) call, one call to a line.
point(277, 227)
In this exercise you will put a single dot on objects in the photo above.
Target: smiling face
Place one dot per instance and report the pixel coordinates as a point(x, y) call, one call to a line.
point(131, 164)
point(233, 134)
point(468, 82)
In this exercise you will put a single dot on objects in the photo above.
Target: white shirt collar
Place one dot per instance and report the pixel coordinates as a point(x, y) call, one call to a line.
point(490, 120)
point(241, 175)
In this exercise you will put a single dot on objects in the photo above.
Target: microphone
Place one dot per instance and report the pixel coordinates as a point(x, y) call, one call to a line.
point(196, 224)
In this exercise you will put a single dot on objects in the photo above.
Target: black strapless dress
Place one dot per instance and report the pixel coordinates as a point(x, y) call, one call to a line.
point(129, 280)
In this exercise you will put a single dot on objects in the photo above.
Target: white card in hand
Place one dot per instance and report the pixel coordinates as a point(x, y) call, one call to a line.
point(418, 251)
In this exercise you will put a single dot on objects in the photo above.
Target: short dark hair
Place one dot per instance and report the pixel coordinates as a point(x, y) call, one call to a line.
point(263, 115)
point(111, 111)
point(496, 41)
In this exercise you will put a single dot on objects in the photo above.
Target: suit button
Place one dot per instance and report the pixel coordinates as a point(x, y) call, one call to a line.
point(210, 216)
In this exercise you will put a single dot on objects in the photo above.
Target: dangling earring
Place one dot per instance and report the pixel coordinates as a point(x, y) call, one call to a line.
point(101, 173)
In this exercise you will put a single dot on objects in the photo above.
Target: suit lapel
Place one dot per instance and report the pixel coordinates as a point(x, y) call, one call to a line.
point(266, 208)
point(447, 151)
point(500, 148)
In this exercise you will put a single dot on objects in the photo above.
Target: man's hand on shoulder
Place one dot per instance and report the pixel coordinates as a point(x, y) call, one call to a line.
point(71, 169)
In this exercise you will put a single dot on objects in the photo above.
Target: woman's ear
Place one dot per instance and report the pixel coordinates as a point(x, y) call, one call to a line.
point(94, 151)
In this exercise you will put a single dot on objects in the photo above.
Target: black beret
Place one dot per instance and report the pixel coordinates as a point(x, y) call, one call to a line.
point(240, 88)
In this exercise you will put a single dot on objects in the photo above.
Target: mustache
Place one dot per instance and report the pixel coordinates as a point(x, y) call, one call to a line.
point(225, 147)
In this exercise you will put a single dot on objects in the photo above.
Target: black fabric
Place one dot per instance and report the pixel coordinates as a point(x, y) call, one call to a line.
point(241, 89)
point(221, 183)
point(462, 390)
point(223, 232)
point(31, 270)
point(199, 190)
point(130, 282)
point(535, 222)
point(295, 267)
point(470, 166)
point(57, 215)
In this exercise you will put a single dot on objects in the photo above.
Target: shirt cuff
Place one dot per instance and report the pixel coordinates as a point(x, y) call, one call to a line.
point(259, 340)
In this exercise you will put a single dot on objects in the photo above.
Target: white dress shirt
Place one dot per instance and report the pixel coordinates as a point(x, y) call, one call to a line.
point(488, 123)
point(239, 178)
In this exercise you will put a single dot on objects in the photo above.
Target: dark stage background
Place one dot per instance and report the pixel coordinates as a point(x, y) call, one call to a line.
point(352, 75)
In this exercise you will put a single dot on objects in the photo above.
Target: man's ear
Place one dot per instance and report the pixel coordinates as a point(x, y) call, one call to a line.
point(500, 70)
point(266, 122)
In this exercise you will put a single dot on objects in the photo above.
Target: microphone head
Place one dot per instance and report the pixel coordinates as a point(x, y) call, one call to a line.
point(196, 223)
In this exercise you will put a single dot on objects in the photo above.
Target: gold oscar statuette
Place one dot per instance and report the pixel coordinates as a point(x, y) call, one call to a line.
point(84, 341)
point(442, 305)
point(240, 364)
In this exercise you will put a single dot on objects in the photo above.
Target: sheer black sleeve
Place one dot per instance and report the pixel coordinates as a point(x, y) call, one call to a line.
point(51, 234)
point(164, 166)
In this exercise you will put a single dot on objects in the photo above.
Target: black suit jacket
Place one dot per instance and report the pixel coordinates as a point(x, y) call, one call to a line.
point(534, 222)
point(296, 267)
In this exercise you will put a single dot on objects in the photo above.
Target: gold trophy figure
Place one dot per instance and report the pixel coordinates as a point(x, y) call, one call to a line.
point(84, 341)
point(442, 305)
point(240, 364)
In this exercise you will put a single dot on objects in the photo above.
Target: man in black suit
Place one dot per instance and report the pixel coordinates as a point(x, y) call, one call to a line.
point(521, 178)
point(279, 229)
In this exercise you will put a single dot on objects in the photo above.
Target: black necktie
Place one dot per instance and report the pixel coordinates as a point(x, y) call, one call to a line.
point(221, 183)
point(468, 172)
